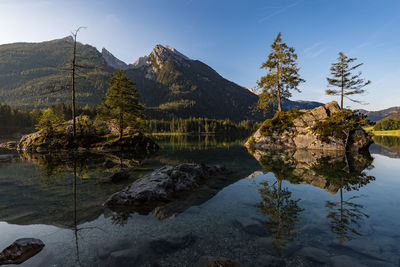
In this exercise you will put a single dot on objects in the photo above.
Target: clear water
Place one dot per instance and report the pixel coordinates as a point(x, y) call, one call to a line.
point(278, 205)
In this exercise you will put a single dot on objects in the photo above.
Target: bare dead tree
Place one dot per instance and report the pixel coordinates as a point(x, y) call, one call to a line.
point(73, 69)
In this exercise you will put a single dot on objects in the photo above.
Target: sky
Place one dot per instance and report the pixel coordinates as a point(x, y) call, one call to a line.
point(233, 37)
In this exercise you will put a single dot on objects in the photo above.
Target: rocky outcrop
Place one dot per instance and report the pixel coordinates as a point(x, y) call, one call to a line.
point(162, 184)
point(302, 130)
point(20, 251)
point(92, 137)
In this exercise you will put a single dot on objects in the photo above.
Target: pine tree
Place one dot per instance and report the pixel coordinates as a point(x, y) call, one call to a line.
point(342, 77)
point(283, 75)
point(121, 103)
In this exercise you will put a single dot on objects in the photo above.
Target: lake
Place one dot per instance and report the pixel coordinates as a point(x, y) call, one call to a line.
point(290, 208)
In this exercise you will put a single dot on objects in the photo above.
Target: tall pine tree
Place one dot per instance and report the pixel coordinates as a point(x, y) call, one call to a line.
point(342, 77)
point(282, 77)
point(121, 103)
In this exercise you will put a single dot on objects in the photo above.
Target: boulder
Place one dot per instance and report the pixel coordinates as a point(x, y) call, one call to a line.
point(209, 261)
point(162, 184)
point(299, 129)
point(20, 251)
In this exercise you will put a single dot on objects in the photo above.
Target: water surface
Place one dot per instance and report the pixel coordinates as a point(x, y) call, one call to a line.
point(270, 203)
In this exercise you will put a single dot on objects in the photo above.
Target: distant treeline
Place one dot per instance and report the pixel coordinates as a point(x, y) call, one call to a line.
point(387, 124)
point(13, 120)
point(201, 125)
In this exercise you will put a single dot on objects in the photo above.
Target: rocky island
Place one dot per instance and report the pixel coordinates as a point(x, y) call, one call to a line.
point(95, 136)
point(322, 128)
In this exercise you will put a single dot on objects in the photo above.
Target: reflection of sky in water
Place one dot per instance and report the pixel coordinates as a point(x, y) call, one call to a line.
point(212, 220)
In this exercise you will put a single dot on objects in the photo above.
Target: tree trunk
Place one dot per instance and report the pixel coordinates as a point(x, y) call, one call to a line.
point(279, 89)
point(279, 101)
point(121, 125)
point(73, 89)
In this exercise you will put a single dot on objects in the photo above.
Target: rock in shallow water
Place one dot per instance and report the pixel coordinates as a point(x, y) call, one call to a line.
point(20, 251)
point(162, 183)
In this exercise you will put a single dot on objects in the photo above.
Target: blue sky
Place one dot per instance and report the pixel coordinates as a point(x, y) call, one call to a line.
point(233, 37)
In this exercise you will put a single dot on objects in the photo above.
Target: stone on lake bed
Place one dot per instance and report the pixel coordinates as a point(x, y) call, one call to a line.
point(270, 261)
point(119, 176)
point(171, 243)
point(209, 261)
point(343, 261)
point(314, 254)
point(250, 226)
point(20, 251)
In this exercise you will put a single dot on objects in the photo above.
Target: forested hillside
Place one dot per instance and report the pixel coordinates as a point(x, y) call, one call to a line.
point(37, 75)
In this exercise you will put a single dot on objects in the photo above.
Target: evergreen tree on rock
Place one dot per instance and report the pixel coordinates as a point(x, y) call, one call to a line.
point(342, 77)
point(282, 77)
point(121, 104)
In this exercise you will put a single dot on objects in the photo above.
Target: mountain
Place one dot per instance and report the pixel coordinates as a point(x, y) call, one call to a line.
point(169, 83)
point(35, 75)
point(381, 114)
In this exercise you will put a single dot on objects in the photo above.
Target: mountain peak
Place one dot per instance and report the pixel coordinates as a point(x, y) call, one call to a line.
point(112, 61)
point(165, 53)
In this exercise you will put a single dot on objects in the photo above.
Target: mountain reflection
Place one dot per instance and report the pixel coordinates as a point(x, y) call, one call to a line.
point(335, 172)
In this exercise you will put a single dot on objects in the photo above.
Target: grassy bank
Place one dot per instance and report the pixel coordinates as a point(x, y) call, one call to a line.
point(381, 133)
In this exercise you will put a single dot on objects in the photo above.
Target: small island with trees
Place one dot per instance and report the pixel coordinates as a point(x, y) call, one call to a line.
point(328, 127)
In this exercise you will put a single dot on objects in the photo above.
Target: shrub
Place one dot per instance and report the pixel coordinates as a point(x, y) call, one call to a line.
point(280, 122)
point(339, 125)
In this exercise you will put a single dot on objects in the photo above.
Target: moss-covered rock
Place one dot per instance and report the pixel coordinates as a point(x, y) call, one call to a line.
point(324, 127)
point(96, 138)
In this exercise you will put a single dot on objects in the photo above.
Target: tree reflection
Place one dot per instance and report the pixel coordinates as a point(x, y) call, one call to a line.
point(335, 172)
point(282, 212)
point(347, 174)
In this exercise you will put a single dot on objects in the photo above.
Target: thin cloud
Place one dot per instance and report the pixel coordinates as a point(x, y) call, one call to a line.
point(315, 50)
point(280, 11)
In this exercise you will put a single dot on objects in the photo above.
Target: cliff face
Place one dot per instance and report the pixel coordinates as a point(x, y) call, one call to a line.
point(322, 128)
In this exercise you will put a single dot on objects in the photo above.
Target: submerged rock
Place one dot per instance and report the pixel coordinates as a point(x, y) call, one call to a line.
point(21, 250)
point(343, 260)
point(119, 176)
point(162, 184)
point(209, 261)
point(311, 129)
point(250, 226)
point(171, 243)
point(314, 254)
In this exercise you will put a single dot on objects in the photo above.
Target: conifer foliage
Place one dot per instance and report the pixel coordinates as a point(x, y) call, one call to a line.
point(121, 104)
point(282, 77)
point(349, 84)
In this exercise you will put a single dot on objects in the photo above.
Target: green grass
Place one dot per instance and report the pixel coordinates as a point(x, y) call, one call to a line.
point(387, 132)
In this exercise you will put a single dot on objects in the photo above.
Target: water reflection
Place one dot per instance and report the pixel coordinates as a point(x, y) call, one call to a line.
point(335, 172)
point(386, 145)
point(282, 212)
